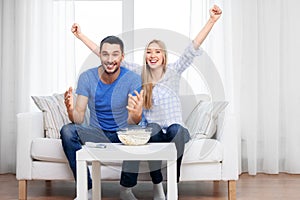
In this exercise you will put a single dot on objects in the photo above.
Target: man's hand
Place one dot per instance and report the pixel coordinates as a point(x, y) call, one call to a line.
point(215, 13)
point(69, 101)
point(76, 30)
point(135, 107)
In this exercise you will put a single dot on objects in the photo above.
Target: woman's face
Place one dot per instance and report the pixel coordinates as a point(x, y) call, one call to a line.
point(154, 56)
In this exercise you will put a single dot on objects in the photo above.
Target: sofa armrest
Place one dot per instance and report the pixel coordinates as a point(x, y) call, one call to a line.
point(29, 126)
point(228, 136)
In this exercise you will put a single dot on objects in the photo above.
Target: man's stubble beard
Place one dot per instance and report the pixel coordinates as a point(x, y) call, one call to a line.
point(111, 73)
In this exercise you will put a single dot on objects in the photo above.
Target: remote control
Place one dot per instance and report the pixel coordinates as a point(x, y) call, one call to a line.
point(95, 145)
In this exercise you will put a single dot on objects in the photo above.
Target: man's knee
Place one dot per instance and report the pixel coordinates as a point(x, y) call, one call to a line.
point(67, 131)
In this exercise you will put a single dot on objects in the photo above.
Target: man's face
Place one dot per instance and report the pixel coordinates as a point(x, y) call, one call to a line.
point(111, 57)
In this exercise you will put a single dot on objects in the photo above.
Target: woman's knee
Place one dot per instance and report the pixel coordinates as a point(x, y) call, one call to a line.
point(155, 128)
point(178, 131)
point(174, 129)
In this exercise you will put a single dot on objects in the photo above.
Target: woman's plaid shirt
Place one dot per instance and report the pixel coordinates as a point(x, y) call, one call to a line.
point(166, 106)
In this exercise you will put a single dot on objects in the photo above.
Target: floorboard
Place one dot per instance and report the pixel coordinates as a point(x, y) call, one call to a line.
point(259, 187)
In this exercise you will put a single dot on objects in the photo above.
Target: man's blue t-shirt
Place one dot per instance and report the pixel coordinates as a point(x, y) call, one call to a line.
point(107, 102)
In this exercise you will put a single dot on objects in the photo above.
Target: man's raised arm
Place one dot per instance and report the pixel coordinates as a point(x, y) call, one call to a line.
point(76, 30)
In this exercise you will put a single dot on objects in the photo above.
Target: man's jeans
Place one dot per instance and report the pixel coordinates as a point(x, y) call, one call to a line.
point(73, 136)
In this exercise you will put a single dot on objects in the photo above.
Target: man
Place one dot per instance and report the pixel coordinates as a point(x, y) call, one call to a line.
point(105, 90)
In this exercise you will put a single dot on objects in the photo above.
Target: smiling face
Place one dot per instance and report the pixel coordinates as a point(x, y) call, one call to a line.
point(111, 57)
point(155, 56)
point(154, 67)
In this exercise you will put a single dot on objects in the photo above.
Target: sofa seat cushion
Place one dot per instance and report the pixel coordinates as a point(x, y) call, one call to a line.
point(203, 151)
point(48, 149)
point(196, 151)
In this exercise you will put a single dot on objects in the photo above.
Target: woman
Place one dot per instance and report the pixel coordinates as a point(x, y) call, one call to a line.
point(161, 104)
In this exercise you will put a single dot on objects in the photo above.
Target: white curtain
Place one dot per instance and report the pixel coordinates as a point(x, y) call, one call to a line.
point(257, 50)
point(37, 58)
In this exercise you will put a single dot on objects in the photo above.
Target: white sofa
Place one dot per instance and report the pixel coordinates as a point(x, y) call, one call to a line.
point(206, 159)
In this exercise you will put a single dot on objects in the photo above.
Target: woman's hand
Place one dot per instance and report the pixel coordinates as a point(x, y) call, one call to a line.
point(135, 107)
point(215, 13)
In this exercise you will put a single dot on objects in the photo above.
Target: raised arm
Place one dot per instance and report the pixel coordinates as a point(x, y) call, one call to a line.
point(76, 30)
point(193, 50)
point(215, 14)
point(75, 114)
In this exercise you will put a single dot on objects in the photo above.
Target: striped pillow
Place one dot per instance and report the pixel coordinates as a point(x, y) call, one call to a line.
point(202, 122)
point(54, 113)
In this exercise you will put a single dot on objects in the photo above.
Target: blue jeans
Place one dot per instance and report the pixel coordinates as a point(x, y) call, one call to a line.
point(174, 133)
point(73, 136)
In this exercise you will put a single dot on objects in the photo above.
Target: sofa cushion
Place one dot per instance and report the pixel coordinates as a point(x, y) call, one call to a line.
point(203, 151)
point(190, 101)
point(202, 121)
point(215, 109)
point(54, 113)
point(47, 149)
point(196, 151)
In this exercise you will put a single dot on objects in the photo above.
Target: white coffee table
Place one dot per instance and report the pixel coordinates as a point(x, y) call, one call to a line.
point(116, 151)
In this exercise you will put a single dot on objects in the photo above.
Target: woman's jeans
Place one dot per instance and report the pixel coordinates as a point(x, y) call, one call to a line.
point(73, 136)
point(174, 133)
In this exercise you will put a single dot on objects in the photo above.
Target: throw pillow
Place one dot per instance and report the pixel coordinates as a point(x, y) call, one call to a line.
point(54, 113)
point(202, 122)
point(216, 108)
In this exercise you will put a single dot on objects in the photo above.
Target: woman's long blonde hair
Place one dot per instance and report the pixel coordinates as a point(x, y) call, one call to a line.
point(147, 77)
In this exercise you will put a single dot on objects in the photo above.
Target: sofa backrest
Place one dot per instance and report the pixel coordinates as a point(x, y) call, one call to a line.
point(189, 102)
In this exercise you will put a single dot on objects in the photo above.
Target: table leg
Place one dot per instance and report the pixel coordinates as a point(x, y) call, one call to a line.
point(172, 192)
point(96, 177)
point(82, 192)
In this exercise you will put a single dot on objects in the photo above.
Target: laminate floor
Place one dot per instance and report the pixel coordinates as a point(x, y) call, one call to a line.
point(259, 187)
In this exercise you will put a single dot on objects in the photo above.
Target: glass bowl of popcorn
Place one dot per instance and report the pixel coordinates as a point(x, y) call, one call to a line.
point(134, 135)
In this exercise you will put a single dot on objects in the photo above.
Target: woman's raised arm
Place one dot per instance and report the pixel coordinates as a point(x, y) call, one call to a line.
point(215, 14)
